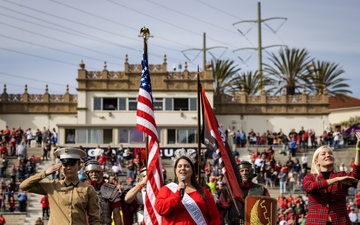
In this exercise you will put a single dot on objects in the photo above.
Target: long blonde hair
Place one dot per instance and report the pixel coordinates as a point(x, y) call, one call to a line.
point(315, 169)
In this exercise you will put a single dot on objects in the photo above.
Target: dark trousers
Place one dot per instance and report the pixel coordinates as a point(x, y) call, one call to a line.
point(22, 206)
point(45, 212)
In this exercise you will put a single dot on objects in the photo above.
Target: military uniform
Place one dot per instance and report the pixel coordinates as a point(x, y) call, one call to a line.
point(74, 203)
point(249, 189)
point(109, 198)
point(108, 194)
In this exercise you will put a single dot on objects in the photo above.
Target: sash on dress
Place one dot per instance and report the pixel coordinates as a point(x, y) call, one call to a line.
point(190, 205)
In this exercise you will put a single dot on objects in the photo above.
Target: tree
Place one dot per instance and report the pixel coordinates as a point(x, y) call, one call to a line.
point(327, 76)
point(352, 121)
point(224, 72)
point(290, 67)
point(250, 83)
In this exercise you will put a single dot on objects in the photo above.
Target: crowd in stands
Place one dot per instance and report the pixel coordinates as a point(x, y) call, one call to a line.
point(304, 139)
point(13, 148)
point(284, 176)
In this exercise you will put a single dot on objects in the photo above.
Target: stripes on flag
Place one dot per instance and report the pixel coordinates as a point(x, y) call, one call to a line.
point(145, 122)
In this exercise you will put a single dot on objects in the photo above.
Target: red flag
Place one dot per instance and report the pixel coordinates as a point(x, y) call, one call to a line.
point(146, 123)
point(214, 139)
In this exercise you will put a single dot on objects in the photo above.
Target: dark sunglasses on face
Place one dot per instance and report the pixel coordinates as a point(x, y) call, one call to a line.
point(69, 162)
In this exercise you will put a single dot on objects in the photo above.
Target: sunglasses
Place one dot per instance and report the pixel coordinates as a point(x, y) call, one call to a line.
point(69, 162)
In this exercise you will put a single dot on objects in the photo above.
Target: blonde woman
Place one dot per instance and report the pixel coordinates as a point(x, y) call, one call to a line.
point(327, 188)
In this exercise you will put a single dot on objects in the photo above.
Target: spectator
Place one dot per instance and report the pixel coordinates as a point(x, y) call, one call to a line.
point(29, 137)
point(21, 150)
point(12, 186)
point(352, 137)
point(12, 146)
point(336, 139)
point(4, 166)
point(53, 137)
point(19, 133)
point(39, 222)
point(46, 150)
point(45, 136)
point(330, 137)
point(29, 169)
point(324, 137)
point(282, 180)
point(3, 149)
point(313, 139)
point(164, 172)
point(260, 163)
point(38, 138)
point(303, 140)
point(130, 166)
point(21, 171)
point(119, 154)
point(2, 220)
point(2, 200)
point(293, 146)
point(304, 161)
point(11, 204)
point(342, 167)
point(45, 207)
point(13, 171)
point(301, 177)
point(291, 179)
point(353, 217)
point(22, 198)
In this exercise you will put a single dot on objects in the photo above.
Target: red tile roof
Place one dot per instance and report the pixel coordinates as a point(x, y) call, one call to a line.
point(338, 103)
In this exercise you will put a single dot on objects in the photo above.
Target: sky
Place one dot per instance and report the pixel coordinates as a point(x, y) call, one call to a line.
point(43, 42)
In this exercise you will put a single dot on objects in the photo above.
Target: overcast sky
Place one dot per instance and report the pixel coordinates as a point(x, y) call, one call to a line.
point(43, 42)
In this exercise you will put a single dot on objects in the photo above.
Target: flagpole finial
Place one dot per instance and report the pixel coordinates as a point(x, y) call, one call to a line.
point(145, 32)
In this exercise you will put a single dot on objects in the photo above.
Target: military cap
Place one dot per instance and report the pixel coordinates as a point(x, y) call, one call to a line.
point(244, 164)
point(69, 153)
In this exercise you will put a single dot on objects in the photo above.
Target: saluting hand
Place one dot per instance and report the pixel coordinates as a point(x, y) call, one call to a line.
point(53, 169)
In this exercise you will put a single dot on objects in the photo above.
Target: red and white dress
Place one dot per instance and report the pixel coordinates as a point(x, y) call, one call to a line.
point(190, 210)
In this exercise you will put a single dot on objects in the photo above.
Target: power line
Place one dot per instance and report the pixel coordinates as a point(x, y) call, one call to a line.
point(55, 49)
point(55, 39)
point(192, 17)
point(86, 25)
point(163, 21)
point(41, 57)
point(115, 22)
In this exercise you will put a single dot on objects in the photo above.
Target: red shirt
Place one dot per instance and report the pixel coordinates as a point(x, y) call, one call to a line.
point(327, 200)
point(3, 150)
point(44, 202)
point(357, 198)
point(2, 220)
point(6, 132)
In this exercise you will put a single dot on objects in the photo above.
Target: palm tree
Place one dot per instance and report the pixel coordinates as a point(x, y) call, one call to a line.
point(224, 72)
point(326, 76)
point(250, 83)
point(290, 66)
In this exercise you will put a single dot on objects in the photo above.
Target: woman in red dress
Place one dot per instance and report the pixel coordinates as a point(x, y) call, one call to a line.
point(185, 201)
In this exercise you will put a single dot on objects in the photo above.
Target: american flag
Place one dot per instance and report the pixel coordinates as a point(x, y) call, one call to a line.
point(145, 122)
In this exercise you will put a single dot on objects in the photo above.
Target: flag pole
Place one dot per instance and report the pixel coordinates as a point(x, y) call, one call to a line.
point(199, 126)
point(145, 34)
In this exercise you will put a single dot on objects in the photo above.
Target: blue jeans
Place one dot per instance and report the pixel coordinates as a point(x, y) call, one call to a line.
point(282, 187)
